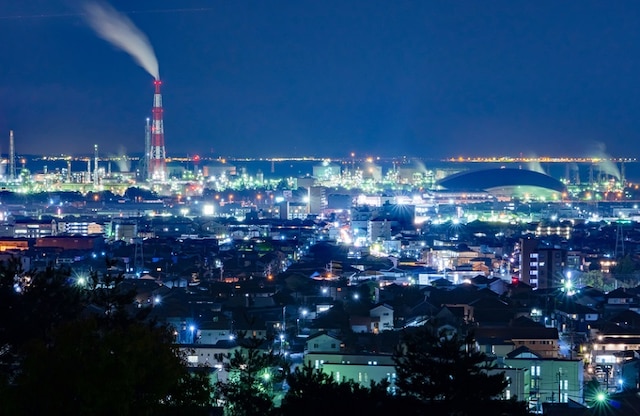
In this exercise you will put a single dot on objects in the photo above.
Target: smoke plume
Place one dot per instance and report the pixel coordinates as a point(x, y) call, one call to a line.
point(536, 166)
point(605, 164)
point(122, 160)
point(118, 30)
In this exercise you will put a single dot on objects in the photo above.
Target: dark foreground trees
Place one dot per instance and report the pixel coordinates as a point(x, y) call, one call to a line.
point(448, 376)
point(312, 392)
point(437, 374)
point(67, 348)
point(254, 379)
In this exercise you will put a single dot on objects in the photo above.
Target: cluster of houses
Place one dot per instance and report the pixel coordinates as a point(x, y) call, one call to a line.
point(548, 342)
point(344, 309)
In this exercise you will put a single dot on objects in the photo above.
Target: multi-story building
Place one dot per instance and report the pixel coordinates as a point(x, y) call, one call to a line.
point(80, 226)
point(528, 261)
point(32, 228)
point(317, 199)
point(548, 379)
point(551, 267)
point(362, 369)
point(541, 267)
point(378, 229)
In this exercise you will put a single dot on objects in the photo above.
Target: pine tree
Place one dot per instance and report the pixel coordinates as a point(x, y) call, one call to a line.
point(445, 372)
point(253, 377)
point(313, 392)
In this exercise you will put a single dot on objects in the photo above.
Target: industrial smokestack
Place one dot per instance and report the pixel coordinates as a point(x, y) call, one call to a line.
point(157, 158)
point(12, 157)
point(147, 152)
point(95, 165)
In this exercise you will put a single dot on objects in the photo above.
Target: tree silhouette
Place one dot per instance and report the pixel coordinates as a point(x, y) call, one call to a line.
point(313, 392)
point(253, 377)
point(443, 371)
point(80, 350)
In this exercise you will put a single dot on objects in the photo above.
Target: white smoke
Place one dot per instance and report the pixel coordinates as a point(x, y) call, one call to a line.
point(605, 164)
point(118, 30)
point(122, 160)
point(534, 164)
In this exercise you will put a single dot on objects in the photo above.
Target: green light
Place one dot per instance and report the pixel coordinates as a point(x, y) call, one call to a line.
point(601, 396)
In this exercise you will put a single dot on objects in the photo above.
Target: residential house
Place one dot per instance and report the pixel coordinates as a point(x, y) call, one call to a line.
point(547, 379)
point(360, 368)
point(323, 342)
point(613, 344)
point(620, 299)
point(384, 315)
point(523, 332)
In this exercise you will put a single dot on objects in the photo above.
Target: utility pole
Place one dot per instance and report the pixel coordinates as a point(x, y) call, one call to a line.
point(559, 387)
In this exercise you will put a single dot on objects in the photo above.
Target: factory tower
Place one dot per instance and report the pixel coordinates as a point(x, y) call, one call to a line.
point(157, 157)
point(12, 157)
point(147, 152)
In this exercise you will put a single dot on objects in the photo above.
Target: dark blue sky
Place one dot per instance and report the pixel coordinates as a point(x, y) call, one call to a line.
point(326, 78)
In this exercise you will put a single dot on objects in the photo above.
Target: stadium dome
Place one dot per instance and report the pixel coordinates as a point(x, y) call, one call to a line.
point(511, 182)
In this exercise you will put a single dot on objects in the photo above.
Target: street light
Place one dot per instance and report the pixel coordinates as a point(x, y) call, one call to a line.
point(303, 312)
point(192, 329)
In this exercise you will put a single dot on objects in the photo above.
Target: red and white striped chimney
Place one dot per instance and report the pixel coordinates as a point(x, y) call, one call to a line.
point(157, 156)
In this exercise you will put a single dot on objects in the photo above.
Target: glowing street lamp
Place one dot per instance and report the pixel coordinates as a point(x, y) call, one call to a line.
point(192, 330)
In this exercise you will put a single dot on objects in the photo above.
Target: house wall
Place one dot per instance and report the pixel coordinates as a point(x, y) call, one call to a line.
point(385, 316)
point(363, 374)
point(323, 343)
point(549, 379)
point(548, 348)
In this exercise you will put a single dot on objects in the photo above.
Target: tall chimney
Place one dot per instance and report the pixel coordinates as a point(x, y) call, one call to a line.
point(95, 164)
point(157, 157)
point(145, 174)
point(12, 157)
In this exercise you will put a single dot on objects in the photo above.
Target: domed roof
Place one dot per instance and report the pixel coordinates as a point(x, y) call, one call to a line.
point(485, 180)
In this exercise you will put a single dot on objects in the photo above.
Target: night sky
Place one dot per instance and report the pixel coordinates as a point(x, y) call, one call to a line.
point(264, 78)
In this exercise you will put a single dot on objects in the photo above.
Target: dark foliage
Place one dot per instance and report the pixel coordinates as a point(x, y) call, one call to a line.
point(254, 377)
point(78, 349)
point(312, 392)
point(448, 376)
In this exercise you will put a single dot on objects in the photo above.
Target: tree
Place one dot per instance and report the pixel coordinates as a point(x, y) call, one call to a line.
point(444, 372)
point(253, 376)
point(313, 392)
point(593, 278)
point(124, 370)
point(80, 350)
point(31, 304)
